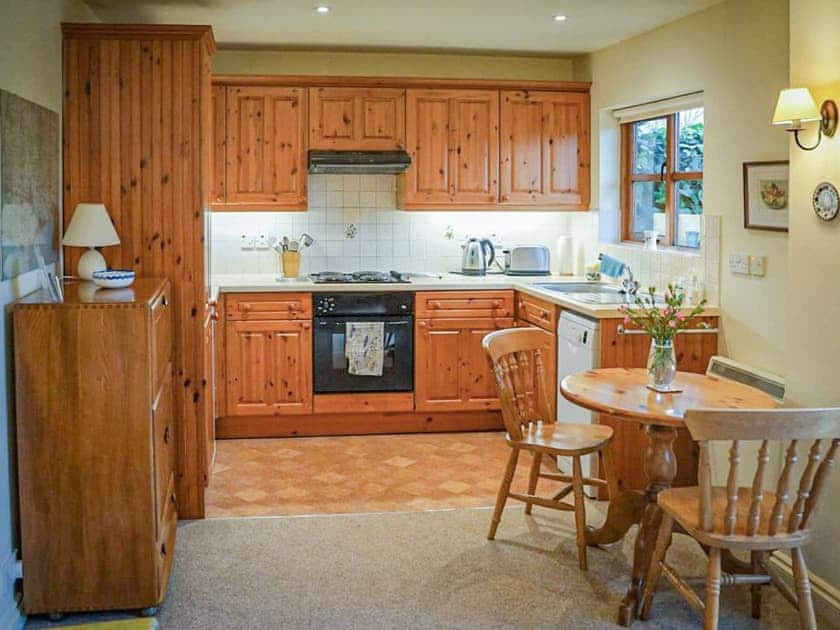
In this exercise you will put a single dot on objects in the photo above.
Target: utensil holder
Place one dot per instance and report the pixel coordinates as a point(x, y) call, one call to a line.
point(291, 264)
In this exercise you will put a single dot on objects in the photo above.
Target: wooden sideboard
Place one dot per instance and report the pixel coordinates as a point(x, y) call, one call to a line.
point(96, 447)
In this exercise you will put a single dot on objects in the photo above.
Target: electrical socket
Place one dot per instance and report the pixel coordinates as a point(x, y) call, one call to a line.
point(262, 242)
point(247, 242)
point(758, 265)
point(739, 263)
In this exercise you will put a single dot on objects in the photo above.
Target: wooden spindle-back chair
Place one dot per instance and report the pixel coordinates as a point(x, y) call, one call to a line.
point(751, 518)
point(518, 362)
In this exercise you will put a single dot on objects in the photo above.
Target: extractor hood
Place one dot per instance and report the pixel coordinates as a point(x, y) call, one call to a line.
point(358, 162)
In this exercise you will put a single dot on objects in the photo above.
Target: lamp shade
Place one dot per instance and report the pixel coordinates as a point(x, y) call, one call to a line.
point(90, 226)
point(794, 106)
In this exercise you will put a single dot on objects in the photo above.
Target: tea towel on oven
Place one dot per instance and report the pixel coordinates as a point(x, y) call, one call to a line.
point(364, 348)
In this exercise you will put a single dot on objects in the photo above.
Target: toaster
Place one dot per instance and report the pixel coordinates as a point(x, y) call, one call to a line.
point(527, 260)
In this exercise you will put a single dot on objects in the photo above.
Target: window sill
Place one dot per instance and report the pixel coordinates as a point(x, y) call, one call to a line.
point(672, 250)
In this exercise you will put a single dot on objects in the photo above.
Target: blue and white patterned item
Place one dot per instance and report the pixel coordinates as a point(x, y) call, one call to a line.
point(114, 278)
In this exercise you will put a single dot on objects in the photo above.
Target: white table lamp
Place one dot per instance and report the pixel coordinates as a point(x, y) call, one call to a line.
point(90, 227)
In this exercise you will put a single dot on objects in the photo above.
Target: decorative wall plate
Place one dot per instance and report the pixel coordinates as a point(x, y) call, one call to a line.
point(826, 201)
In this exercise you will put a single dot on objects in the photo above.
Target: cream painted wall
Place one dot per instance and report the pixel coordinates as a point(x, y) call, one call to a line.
point(30, 66)
point(391, 64)
point(813, 302)
point(737, 53)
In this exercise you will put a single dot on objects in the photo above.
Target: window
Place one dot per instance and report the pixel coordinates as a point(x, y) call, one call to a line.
point(662, 177)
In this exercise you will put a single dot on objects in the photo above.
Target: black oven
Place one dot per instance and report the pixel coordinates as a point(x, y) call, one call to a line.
point(333, 311)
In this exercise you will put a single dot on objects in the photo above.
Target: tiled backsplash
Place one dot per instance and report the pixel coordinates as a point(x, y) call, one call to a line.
point(669, 265)
point(356, 226)
point(384, 238)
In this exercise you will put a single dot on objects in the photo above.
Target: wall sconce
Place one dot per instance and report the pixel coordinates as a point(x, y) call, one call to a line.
point(796, 106)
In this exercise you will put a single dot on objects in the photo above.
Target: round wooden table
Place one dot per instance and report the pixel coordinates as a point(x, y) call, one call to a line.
point(623, 392)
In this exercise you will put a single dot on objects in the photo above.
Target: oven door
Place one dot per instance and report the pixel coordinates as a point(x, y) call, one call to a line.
point(330, 363)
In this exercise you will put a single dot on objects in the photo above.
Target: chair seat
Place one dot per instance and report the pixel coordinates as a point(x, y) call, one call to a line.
point(684, 505)
point(564, 439)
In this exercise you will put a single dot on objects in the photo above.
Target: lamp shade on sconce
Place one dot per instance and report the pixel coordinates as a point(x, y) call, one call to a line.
point(90, 226)
point(794, 107)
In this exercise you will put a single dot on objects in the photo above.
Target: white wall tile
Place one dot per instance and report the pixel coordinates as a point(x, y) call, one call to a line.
point(388, 238)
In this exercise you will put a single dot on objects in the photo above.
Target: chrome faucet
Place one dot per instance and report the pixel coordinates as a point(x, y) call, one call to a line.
point(629, 284)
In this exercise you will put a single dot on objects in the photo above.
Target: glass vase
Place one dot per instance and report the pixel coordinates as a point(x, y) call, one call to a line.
point(661, 365)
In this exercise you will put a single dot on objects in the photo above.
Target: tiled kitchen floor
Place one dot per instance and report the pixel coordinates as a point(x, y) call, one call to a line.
point(373, 473)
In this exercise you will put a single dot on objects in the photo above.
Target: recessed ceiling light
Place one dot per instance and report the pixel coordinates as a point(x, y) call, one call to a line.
point(322, 8)
point(559, 18)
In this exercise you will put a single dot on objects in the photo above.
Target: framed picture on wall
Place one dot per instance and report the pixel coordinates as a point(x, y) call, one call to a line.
point(766, 192)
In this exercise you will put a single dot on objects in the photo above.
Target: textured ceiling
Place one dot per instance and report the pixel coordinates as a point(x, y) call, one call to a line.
point(523, 26)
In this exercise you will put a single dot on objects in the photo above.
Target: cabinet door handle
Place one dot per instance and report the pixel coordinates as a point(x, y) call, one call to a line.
point(544, 314)
point(164, 300)
point(434, 304)
point(306, 325)
point(245, 307)
point(421, 324)
point(497, 303)
point(166, 435)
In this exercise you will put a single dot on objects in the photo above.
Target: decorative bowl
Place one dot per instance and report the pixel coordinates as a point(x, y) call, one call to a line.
point(114, 278)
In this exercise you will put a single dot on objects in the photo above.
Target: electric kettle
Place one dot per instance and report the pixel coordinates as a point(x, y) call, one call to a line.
point(478, 256)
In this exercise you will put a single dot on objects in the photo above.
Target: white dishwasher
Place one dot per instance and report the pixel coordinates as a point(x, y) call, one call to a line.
point(578, 345)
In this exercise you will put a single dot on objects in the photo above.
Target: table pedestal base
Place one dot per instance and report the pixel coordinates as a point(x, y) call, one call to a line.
point(631, 507)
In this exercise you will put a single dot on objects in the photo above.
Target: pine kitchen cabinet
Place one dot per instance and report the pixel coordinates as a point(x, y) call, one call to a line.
point(265, 148)
point(96, 446)
point(452, 137)
point(268, 354)
point(533, 311)
point(545, 149)
point(356, 119)
point(631, 351)
point(451, 369)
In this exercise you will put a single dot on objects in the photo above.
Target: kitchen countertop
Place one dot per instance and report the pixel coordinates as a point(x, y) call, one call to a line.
point(269, 283)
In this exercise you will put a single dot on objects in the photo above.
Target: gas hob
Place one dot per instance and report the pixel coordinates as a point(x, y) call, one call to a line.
point(359, 277)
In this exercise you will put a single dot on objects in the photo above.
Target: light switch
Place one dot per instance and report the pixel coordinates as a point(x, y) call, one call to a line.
point(758, 265)
point(739, 263)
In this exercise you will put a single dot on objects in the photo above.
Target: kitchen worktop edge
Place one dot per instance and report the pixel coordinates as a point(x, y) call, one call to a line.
point(270, 283)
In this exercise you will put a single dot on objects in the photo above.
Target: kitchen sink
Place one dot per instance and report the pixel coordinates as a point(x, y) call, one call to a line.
point(580, 287)
point(591, 292)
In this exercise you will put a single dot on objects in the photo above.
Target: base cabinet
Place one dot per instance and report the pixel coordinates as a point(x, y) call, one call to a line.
point(631, 351)
point(451, 368)
point(96, 446)
point(269, 367)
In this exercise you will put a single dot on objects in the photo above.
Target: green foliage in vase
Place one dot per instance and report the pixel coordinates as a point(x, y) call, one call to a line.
point(662, 323)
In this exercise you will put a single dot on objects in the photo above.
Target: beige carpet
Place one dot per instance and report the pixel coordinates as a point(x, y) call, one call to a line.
point(415, 570)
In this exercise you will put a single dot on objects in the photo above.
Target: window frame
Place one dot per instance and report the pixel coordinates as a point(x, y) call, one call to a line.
point(671, 179)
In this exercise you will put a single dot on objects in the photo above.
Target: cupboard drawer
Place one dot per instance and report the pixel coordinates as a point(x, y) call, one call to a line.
point(537, 312)
point(164, 431)
point(268, 306)
point(470, 304)
point(162, 335)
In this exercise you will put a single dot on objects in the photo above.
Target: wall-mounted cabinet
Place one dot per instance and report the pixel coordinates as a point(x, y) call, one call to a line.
point(356, 119)
point(453, 141)
point(265, 148)
point(474, 145)
point(545, 149)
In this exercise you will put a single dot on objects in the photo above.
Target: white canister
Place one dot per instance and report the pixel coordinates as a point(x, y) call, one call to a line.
point(650, 240)
point(565, 255)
